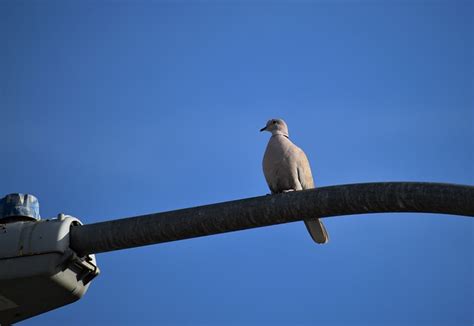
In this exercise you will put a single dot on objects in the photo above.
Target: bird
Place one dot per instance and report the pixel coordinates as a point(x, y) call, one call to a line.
point(286, 168)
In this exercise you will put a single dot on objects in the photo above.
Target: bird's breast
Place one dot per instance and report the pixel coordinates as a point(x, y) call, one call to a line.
point(276, 166)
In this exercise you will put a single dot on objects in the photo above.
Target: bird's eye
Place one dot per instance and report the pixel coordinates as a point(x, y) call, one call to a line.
point(274, 122)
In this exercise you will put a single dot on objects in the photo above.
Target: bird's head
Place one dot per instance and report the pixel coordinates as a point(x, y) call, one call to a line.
point(276, 127)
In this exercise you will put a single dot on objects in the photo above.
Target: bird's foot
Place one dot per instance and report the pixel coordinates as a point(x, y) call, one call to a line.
point(288, 190)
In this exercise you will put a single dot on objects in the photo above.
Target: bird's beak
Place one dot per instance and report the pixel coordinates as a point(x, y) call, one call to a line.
point(264, 128)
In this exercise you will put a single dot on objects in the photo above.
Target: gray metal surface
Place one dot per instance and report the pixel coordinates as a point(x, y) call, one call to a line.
point(38, 270)
point(28, 238)
point(273, 209)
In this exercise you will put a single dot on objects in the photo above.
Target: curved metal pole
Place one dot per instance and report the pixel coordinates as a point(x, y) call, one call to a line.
point(273, 209)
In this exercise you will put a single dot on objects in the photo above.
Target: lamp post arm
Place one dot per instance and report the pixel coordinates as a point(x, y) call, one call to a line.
point(268, 210)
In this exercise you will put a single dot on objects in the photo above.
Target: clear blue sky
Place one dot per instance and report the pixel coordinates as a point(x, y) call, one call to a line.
point(111, 109)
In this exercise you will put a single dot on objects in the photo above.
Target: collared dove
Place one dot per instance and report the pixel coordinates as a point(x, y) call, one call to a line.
point(286, 168)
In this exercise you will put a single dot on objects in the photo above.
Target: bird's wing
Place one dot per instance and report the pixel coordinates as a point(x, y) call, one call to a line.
point(304, 170)
point(315, 226)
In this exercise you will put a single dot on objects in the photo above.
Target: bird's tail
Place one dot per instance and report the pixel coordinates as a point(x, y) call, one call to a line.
point(317, 230)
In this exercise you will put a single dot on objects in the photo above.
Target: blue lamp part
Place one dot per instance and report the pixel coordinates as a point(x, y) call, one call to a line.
point(19, 206)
